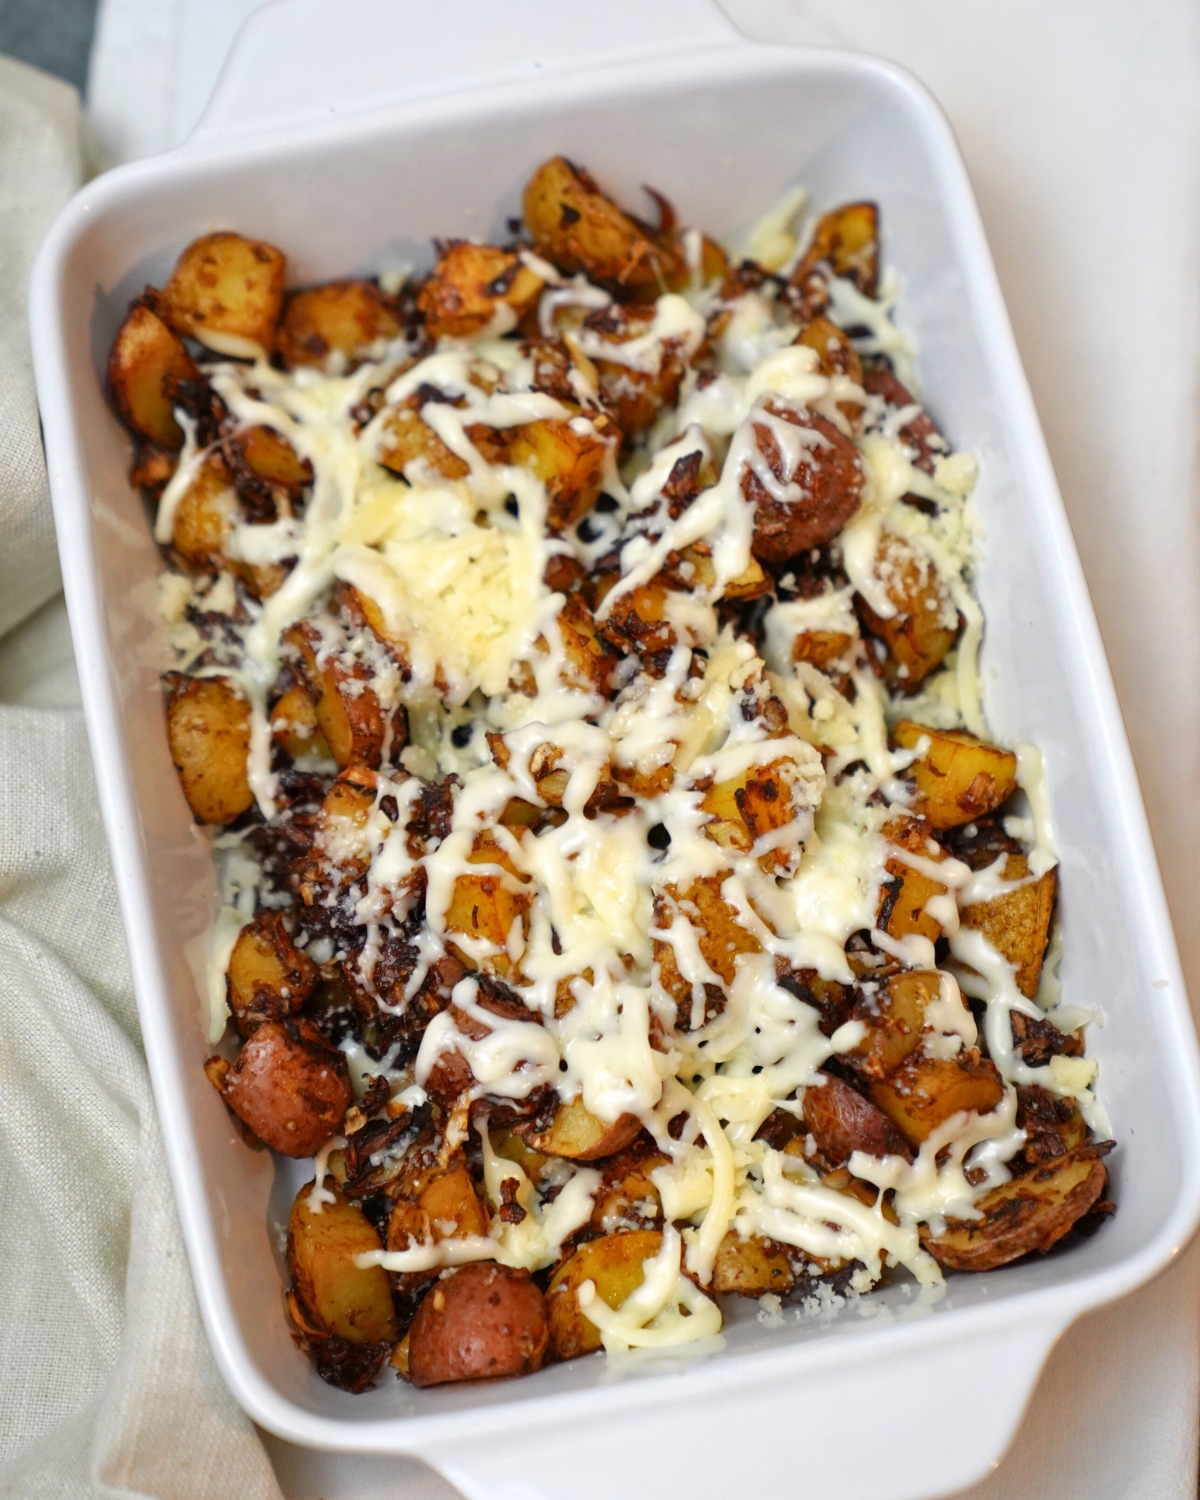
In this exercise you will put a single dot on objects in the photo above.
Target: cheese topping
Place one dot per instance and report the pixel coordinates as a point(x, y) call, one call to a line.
point(669, 833)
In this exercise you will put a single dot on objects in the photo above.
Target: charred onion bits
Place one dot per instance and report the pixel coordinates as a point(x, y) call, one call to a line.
point(574, 666)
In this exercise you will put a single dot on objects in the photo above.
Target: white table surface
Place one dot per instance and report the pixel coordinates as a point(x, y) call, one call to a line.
point(1080, 124)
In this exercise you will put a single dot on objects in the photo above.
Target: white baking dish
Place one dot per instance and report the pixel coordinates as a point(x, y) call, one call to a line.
point(349, 134)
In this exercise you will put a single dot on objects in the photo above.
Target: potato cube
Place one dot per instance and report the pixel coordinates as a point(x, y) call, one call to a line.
point(474, 286)
point(208, 727)
point(227, 291)
point(614, 1266)
point(1017, 923)
point(336, 325)
point(958, 778)
point(925, 1091)
point(146, 356)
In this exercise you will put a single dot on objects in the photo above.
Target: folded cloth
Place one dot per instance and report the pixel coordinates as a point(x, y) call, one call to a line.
point(107, 1384)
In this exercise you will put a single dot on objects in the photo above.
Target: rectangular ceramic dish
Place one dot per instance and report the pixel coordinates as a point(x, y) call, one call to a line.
point(349, 134)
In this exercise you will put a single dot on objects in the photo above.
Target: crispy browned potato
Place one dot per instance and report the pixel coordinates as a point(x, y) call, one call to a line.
point(841, 1122)
point(227, 290)
point(482, 1322)
point(207, 512)
point(821, 648)
point(828, 483)
point(638, 622)
point(634, 397)
point(958, 778)
point(721, 935)
point(405, 439)
point(919, 634)
point(614, 1264)
point(1029, 1213)
point(444, 1206)
point(626, 1197)
point(580, 1136)
point(894, 1020)
point(905, 894)
point(145, 356)
point(470, 284)
point(1017, 923)
point(750, 1267)
point(294, 726)
point(208, 728)
point(263, 462)
point(925, 1091)
point(290, 1087)
point(589, 658)
point(847, 239)
point(486, 905)
point(350, 1301)
point(837, 356)
point(577, 228)
point(920, 435)
point(571, 464)
point(349, 715)
point(341, 318)
point(339, 844)
point(268, 977)
point(748, 807)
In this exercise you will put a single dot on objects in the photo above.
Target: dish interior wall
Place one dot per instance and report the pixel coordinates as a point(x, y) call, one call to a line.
point(723, 143)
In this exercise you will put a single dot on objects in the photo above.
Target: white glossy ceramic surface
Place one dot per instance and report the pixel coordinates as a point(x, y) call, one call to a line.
point(350, 134)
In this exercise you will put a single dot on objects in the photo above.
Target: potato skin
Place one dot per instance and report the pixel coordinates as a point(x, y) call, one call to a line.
point(579, 1135)
point(482, 1322)
point(841, 1122)
point(290, 1087)
point(829, 475)
point(1030, 1213)
point(208, 727)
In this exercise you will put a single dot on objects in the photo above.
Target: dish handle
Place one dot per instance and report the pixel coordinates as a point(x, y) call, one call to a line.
point(297, 62)
point(907, 1426)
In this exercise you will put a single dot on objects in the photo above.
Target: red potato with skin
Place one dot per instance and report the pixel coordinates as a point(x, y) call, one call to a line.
point(841, 1122)
point(290, 1087)
point(482, 1322)
point(828, 479)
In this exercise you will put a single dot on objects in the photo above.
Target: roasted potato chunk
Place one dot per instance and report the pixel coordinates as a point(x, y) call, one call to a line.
point(750, 1267)
point(577, 228)
point(146, 359)
point(894, 1021)
point(227, 291)
point(336, 326)
point(356, 727)
point(1017, 923)
point(841, 1121)
point(925, 625)
point(481, 1322)
point(579, 1135)
point(958, 778)
point(450, 1076)
point(614, 1265)
point(446, 1207)
point(908, 890)
point(1029, 1213)
point(753, 806)
point(826, 484)
point(208, 728)
point(474, 287)
point(720, 934)
point(405, 440)
point(925, 1091)
point(570, 458)
point(268, 978)
point(350, 1301)
point(485, 907)
point(265, 464)
point(847, 240)
point(290, 1087)
point(822, 649)
point(205, 517)
point(294, 725)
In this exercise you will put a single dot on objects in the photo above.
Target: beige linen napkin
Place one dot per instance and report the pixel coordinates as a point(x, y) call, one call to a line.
point(107, 1385)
